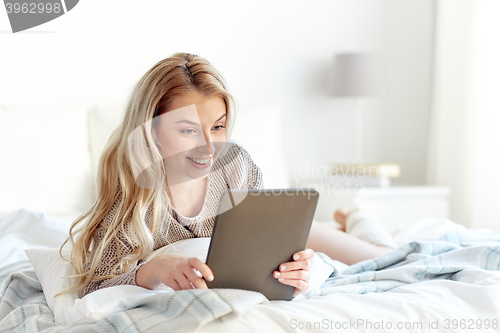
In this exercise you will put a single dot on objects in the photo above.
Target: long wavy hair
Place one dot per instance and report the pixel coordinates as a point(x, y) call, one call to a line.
point(152, 96)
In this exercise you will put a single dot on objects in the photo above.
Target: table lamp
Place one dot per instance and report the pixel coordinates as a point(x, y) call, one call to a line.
point(358, 75)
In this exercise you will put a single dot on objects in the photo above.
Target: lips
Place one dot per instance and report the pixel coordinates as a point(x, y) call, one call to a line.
point(198, 162)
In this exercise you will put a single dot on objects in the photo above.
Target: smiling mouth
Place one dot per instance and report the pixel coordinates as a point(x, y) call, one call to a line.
point(200, 161)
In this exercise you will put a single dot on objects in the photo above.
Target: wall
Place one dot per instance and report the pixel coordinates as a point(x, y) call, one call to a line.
point(275, 51)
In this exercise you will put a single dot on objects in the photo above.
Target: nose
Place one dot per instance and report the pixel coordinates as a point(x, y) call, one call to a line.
point(207, 147)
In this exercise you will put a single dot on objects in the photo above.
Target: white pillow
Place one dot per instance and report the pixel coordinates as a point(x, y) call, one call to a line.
point(45, 158)
point(50, 269)
point(69, 309)
point(102, 120)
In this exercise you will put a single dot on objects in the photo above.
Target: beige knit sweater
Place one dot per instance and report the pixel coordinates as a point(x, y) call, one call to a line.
point(235, 170)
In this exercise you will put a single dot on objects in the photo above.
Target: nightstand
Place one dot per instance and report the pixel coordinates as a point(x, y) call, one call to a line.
point(395, 207)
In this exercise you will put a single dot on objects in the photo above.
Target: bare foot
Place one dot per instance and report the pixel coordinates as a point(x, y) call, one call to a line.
point(341, 214)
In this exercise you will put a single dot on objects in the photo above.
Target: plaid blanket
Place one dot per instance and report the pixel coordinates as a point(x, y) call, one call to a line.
point(23, 307)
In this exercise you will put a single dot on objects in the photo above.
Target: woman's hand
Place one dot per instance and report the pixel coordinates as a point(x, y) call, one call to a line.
point(175, 271)
point(296, 273)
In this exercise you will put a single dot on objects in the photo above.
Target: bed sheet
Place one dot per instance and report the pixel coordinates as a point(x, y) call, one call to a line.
point(26, 229)
point(430, 306)
point(467, 300)
point(469, 294)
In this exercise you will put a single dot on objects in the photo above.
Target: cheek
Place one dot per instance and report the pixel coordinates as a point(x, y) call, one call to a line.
point(174, 144)
point(219, 146)
point(220, 137)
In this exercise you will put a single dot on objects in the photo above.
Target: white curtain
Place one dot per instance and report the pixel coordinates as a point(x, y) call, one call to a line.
point(465, 137)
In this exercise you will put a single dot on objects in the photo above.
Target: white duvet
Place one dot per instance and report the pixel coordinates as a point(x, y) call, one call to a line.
point(470, 300)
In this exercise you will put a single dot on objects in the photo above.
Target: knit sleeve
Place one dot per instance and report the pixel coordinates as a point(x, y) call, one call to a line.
point(110, 258)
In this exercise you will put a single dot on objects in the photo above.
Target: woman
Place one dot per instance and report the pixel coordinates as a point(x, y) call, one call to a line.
point(160, 179)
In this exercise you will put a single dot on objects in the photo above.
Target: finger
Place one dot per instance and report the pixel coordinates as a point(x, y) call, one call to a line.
point(296, 292)
point(172, 284)
point(298, 275)
point(205, 271)
point(304, 254)
point(299, 284)
point(295, 265)
point(195, 279)
point(182, 280)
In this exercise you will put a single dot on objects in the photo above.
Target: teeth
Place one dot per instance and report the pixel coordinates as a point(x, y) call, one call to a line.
point(198, 161)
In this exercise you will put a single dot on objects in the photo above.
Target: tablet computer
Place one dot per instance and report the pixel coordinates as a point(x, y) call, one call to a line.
point(255, 231)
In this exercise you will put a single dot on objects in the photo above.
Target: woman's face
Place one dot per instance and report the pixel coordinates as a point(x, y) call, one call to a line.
point(192, 134)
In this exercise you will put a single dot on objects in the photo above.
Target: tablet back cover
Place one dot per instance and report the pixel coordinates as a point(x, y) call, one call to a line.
point(263, 229)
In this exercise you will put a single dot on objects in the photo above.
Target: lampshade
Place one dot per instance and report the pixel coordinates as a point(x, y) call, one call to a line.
point(358, 74)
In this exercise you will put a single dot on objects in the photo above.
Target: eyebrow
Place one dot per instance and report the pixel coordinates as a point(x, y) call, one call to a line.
point(188, 122)
point(220, 118)
point(196, 124)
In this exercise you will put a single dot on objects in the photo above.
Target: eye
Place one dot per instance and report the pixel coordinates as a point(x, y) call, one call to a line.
point(188, 131)
point(219, 127)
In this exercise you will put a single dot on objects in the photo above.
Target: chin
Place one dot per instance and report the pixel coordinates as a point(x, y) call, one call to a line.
point(197, 174)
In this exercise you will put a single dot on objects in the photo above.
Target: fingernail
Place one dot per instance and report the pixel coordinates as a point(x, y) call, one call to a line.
point(210, 277)
point(283, 267)
point(277, 274)
point(296, 256)
point(281, 279)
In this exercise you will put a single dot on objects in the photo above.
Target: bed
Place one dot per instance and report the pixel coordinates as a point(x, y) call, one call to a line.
point(443, 278)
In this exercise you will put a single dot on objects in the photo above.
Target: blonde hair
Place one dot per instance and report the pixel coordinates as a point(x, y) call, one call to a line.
point(152, 96)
